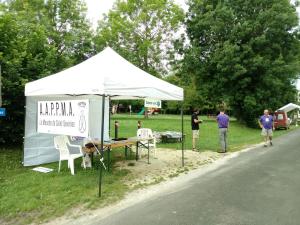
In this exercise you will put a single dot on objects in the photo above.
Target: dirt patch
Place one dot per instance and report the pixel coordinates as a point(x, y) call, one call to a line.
point(166, 164)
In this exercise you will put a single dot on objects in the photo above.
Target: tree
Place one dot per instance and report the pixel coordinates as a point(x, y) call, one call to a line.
point(246, 51)
point(141, 31)
point(37, 41)
point(69, 31)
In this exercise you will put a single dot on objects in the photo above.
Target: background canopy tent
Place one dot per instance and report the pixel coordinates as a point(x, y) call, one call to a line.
point(105, 74)
point(289, 107)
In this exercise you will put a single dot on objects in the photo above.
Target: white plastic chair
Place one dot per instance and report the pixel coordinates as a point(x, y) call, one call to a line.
point(147, 133)
point(62, 144)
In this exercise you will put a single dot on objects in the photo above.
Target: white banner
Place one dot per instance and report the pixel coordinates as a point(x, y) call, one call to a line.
point(152, 103)
point(70, 117)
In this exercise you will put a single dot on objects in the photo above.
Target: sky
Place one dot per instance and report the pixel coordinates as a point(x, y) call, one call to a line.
point(96, 9)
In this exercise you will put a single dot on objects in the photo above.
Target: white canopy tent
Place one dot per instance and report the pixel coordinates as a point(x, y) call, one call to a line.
point(103, 76)
point(289, 107)
point(106, 73)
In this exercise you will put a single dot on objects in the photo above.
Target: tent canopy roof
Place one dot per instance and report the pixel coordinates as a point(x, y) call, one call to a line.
point(289, 107)
point(106, 73)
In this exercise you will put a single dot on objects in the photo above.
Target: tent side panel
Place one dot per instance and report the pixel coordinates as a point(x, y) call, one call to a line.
point(38, 148)
point(95, 116)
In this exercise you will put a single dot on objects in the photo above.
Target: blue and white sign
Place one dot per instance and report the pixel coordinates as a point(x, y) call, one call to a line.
point(2, 112)
point(70, 117)
point(152, 103)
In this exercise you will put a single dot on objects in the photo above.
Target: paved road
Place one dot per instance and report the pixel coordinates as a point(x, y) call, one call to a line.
point(259, 187)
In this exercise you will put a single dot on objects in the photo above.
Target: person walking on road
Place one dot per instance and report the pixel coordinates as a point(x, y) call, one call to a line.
point(266, 123)
point(195, 127)
point(223, 124)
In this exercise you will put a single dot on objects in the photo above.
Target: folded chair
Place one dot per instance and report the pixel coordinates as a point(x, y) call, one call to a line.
point(63, 145)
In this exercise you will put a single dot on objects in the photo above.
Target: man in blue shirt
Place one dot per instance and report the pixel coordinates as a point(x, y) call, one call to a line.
point(266, 123)
point(223, 124)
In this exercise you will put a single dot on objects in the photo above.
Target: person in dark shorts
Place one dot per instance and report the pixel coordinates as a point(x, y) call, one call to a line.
point(195, 127)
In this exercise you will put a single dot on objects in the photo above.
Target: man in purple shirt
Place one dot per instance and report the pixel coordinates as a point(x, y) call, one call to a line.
point(266, 123)
point(223, 124)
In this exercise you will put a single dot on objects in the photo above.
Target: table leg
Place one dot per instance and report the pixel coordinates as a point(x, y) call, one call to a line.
point(137, 151)
point(148, 153)
point(126, 153)
point(92, 159)
point(108, 159)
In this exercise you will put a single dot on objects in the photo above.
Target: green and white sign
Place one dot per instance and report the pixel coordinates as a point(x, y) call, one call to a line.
point(152, 103)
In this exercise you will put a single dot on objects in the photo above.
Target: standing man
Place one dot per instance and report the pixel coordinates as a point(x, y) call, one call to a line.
point(195, 127)
point(223, 124)
point(266, 123)
point(129, 107)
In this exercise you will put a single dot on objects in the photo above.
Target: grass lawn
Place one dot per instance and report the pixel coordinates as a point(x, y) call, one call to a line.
point(28, 196)
point(239, 135)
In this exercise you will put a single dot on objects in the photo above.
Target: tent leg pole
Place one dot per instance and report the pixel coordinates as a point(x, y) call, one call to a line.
point(109, 117)
point(25, 117)
point(182, 140)
point(101, 150)
point(297, 118)
point(108, 159)
point(100, 181)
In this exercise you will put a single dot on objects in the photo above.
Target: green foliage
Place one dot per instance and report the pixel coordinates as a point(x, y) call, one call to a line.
point(192, 98)
point(39, 38)
point(244, 52)
point(43, 37)
point(138, 30)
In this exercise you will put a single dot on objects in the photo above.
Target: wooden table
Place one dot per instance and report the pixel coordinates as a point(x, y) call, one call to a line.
point(109, 145)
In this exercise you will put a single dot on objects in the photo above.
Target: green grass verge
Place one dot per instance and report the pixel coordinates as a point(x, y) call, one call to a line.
point(28, 196)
